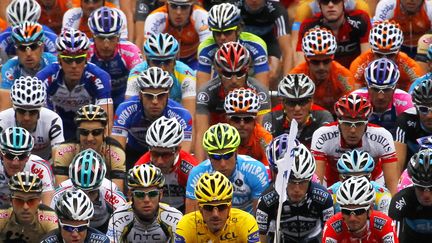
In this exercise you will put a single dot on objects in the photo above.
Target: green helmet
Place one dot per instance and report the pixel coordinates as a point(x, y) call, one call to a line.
point(221, 136)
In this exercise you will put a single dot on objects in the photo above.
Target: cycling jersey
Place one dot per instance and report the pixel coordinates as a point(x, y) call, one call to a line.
point(12, 231)
point(184, 85)
point(419, 81)
point(255, 45)
point(47, 135)
point(409, 69)
point(3, 25)
point(12, 69)
point(211, 99)
point(300, 222)
point(125, 226)
point(126, 56)
point(412, 220)
point(93, 236)
point(353, 32)
point(109, 199)
point(239, 227)
point(35, 165)
point(144, 7)
point(93, 88)
point(327, 93)
point(277, 124)
point(255, 146)
point(53, 16)
point(379, 229)
point(175, 182)
point(387, 119)
point(249, 179)
point(422, 48)
point(130, 122)
point(110, 150)
point(382, 197)
point(404, 181)
point(328, 145)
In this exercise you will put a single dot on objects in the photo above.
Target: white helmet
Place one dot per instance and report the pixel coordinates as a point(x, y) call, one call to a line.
point(319, 41)
point(356, 191)
point(74, 205)
point(28, 92)
point(165, 133)
point(386, 37)
point(303, 167)
point(224, 16)
point(154, 77)
point(19, 11)
point(296, 86)
point(241, 101)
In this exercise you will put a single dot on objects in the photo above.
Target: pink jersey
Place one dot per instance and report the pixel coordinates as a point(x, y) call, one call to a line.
point(401, 99)
point(404, 181)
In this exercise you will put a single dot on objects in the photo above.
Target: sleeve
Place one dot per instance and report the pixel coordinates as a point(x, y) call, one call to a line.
point(400, 131)
point(318, 145)
point(183, 227)
point(252, 229)
point(71, 18)
point(50, 40)
point(142, 10)
point(382, 201)
point(132, 83)
point(366, 22)
point(185, 119)
point(384, 10)
point(43, 170)
point(187, 79)
point(63, 157)
point(281, 22)
point(388, 147)
point(388, 233)
point(122, 119)
point(328, 209)
point(262, 217)
point(203, 101)
point(103, 88)
point(118, 222)
point(259, 53)
point(200, 17)
point(259, 179)
point(155, 23)
point(329, 234)
point(194, 175)
point(8, 73)
point(135, 57)
point(56, 131)
point(116, 161)
point(264, 98)
point(302, 30)
point(205, 60)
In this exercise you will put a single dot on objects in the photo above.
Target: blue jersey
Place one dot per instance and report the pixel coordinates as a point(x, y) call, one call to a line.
point(250, 180)
point(131, 122)
point(12, 69)
point(93, 236)
point(419, 80)
point(93, 88)
point(7, 43)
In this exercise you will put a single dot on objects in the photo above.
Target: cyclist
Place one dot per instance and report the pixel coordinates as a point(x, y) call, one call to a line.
point(249, 176)
point(331, 79)
point(145, 218)
point(360, 163)
point(428, 75)
point(28, 96)
point(232, 64)
point(87, 172)
point(184, 20)
point(134, 116)
point(52, 12)
point(16, 145)
point(74, 210)
point(164, 138)
point(73, 82)
point(216, 220)
point(352, 131)
point(357, 221)
point(309, 203)
point(388, 102)
point(423, 47)
point(241, 107)
point(26, 220)
point(225, 23)
point(388, 46)
point(296, 93)
point(116, 57)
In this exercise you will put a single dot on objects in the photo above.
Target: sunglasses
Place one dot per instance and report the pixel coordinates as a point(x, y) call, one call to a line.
point(381, 89)
point(32, 46)
point(71, 59)
point(159, 96)
point(326, 2)
point(74, 228)
point(111, 38)
point(354, 211)
point(345, 177)
point(299, 102)
point(239, 119)
point(424, 110)
point(19, 202)
point(298, 182)
point(211, 207)
point(95, 132)
point(225, 32)
point(181, 6)
point(354, 124)
point(18, 157)
point(229, 75)
point(423, 188)
point(163, 155)
point(388, 56)
point(91, 1)
point(159, 62)
point(22, 111)
point(142, 194)
point(225, 156)
point(318, 62)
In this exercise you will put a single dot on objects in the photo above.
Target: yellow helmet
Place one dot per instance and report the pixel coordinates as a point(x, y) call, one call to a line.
point(221, 136)
point(145, 175)
point(213, 187)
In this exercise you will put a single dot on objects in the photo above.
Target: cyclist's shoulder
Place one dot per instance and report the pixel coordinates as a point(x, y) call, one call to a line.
point(187, 158)
point(269, 198)
point(169, 215)
point(183, 69)
point(95, 236)
point(238, 215)
point(250, 38)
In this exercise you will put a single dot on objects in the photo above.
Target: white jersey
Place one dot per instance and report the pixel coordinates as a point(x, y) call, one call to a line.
point(36, 165)
point(47, 135)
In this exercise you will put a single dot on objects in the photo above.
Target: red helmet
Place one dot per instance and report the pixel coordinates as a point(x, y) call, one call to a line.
point(232, 57)
point(353, 106)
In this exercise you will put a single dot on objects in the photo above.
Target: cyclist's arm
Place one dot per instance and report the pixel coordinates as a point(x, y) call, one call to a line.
point(364, 47)
point(287, 53)
point(263, 77)
point(47, 197)
point(191, 205)
point(5, 101)
point(401, 153)
point(121, 140)
point(391, 176)
point(202, 78)
point(109, 108)
point(126, 7)
point(201, 126)
point(320, 169)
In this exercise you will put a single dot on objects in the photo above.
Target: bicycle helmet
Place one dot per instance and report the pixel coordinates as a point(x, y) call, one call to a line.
point(224, 16)
point(25, 182)
point(422, 93)
point(28, 92)
point(232, 57)
point(19, 11)
point(27, 32)
point(386, 37)
point(213, 187)
point(303, 166)
point(91, 113)
point(165, 133)
point(355, 161)
point(355, 191)
point(161, 46)
point(145, 175)
point(71, 41)
point(353, 106)
point(277, 148)
point(87, 170)
point(74, 204)
point(296, 86)
point(425, 142)
point(16, 140)
point(156, 78)
point(429, 53)
point(420, 168)
point(105, 21)
point(221, 136)
point(319, 41)
point(242, 101)
point(382, 72)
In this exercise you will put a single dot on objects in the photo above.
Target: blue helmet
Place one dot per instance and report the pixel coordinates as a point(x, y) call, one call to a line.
point(277, 148)
point(382, 72)
point(161, 46)
point(105, 21)
point(27, 32)
point(71, 41)
point(16, 140)
point(87, 170)
point(355, 161)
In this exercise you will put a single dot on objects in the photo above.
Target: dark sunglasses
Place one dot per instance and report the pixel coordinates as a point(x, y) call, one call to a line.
point(355, 211)
point(22, 111)
point(318, 62)
point(181, 6)
point(229, 75)
point(32, 46)
point(163, 155)
point(71, 59)
point(423, 188)
point(424, 110)
point(211, 207)
point(294, 103)
point(142, 194)
point(158, 62)
point(218, 33)
point(74, 228)
point(95, 132)
point(245, 119)
point(110, 38)
point(91, 1)
point(226, 156)
point(326, 2)
point(383, 90)
point(19, 202)
point(19, 157)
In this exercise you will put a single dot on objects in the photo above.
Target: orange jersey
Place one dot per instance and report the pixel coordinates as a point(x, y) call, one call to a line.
point(53, 17)
point(409, 69)
point(3, 25)
point(255, 147)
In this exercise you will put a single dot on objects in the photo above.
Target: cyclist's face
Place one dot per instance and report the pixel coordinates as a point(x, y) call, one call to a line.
point(352, 134)
point(225, 166)
point(47, 3)
point(332, 10)
point(166, 65)
point(179, 14)
point(146, 207)
point(255, 5)
point(233, 82)
point(106, 46)
point(27, 118)
point(29, 55)
point(13, 166)
point(73, 67)
point(298, 109)
point(215, 218)
point(355, 222)
point(89, 6)
point(25, 206)
point(297, 190)
point(164, 158)
point(426, 118)
point(74, 236)
point(154, 101)
point(411, 6)
point(424, 196)
point(244, 123)
point(90, 135)
point(319, 68)
point(225, 36)
point(380, 99)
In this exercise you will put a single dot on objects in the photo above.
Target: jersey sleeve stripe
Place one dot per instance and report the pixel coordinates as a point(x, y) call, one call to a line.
point(400, 135)
point(280, 23)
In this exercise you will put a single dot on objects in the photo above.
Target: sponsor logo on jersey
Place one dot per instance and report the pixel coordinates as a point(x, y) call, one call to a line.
point(261, 216)
point(270, 198)
point(319, 195)
point(204, 60)
point(37, 171)
point(124, 115)
point(324, 137)
point(203, 97)
point(254, 237)
point(228, 236)
point(111, 198)
point(388, 238)
point(185, 167)
point(337, 226)
point(9, 75)
point(4, 215)
point(330, 240)
point(51, 218)
point(179, 238)
point(121, 220)
point(328, 213)
point(379, 139)
point(379, 223)
point(97, 238)
point(400, 204)
point(260, 60)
